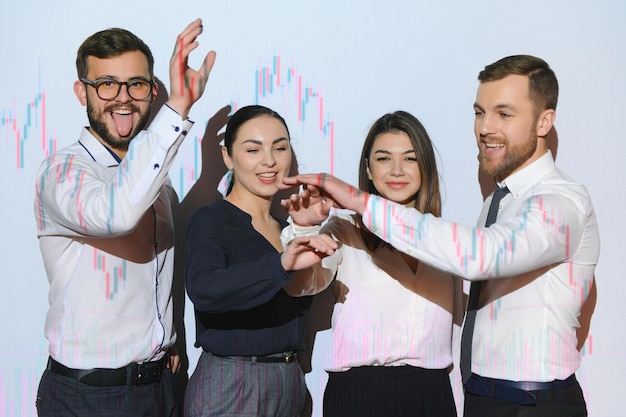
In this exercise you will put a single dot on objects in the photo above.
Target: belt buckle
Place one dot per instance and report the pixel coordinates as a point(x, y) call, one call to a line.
point(291, 357)
point(148, 373)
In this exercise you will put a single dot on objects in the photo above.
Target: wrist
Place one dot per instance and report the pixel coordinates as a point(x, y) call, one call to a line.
point(299, 230)
point(180, 106)
point(367, 198)
point(292, 231)
point(362, 202)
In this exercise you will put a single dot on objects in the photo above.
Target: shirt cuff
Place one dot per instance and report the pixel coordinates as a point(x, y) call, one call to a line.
point(371, 217)
point(168, 122)
point(292, 231)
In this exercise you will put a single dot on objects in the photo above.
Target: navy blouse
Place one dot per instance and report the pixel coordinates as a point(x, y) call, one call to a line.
point(234, 279)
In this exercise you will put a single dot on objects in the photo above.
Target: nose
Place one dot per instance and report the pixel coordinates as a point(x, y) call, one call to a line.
point(396, 168)
point(268, 158)
point(484, 125)
point(123, 95)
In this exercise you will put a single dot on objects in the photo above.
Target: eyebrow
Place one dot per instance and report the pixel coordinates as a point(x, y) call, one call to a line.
point(497, 107)
point(386, 152)
point(116, 78)
point(259, 142)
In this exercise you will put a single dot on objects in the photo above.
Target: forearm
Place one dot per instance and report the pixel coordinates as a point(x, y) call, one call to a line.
point(309, 281)
point(517, 245)
point(221, 288)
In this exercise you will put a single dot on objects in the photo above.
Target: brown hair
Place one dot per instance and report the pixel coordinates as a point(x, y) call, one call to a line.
point(109, 43)
point(428, 198)
point(543, 87)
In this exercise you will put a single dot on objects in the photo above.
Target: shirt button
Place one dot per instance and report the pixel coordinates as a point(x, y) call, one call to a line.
point(176, 128)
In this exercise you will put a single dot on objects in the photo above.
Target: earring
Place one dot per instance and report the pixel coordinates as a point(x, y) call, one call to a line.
point(225, 182)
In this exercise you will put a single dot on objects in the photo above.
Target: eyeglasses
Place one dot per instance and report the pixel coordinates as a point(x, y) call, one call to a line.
point(109, 89)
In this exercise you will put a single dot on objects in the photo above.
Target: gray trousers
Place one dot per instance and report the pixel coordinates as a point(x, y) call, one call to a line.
point(230, 387)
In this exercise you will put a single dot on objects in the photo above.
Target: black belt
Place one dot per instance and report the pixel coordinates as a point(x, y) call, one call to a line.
point(519, 392)
point(133, 374)
point(288, 357)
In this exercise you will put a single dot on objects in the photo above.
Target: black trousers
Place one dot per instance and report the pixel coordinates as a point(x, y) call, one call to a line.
point(560, 402)
point(389, 391)
point(63, 396)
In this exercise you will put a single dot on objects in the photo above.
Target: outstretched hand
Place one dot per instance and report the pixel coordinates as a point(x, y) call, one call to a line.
point(186, 84)
point(338, 193)
point(307, 208)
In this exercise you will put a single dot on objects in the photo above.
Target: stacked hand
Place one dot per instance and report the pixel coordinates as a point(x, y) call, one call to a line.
point(305, 251)
point(329, 189)
point(186, 84)
point(307, 208)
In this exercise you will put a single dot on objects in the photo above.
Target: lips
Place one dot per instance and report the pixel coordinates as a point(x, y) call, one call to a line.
point(492, 147)
point(397, 185)
point(267, 177)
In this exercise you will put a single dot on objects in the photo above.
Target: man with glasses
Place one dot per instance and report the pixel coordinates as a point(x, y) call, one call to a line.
point(106, 234)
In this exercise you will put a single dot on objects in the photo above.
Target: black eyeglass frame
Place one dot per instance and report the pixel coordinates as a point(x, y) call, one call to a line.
point(97, 82)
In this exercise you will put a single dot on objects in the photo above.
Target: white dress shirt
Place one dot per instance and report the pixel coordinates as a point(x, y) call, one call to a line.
point(539, 258)
point(376, 320)
point(106, 236)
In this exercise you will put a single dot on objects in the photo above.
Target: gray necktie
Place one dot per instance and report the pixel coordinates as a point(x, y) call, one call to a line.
point(472, 303)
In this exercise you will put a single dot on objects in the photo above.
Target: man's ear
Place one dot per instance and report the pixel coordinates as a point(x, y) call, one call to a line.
point(80, 89)
point(226, 158)
point(545, 122)
point(155, 92)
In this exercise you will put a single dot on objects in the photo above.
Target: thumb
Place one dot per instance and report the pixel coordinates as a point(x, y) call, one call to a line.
point(207, 65)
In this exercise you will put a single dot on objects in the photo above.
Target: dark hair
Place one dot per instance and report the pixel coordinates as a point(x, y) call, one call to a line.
point(110, 43)
point(240, 117)
point(428, 198)
point(543, 87)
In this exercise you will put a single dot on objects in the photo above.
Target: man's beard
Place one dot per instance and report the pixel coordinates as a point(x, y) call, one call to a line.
point(514, 157)
point(115, 141)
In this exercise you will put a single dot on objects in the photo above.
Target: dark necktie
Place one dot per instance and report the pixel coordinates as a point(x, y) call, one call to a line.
point(472, 303)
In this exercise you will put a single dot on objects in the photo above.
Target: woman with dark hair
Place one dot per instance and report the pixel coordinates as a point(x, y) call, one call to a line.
point(249, 322)
point(393, 316)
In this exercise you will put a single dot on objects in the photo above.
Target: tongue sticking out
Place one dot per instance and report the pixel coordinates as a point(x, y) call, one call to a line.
point(123, 123)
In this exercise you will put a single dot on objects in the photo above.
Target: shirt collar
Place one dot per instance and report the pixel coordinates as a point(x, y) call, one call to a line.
point(529, 175)
point(100, 153)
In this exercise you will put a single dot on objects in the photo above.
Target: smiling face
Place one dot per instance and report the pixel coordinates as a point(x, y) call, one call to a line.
point(116, 122)
point(507, 126)
point(260, 157)
point(393, 169)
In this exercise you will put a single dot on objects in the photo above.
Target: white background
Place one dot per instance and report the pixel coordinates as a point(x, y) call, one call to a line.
point(365, 58)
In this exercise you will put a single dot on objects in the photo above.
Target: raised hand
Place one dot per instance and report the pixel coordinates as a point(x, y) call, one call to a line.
point(186, 84)
point(307, 208)
point(337, 192)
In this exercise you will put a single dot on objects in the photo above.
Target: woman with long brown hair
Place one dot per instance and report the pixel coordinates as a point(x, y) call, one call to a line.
point(392, 321)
